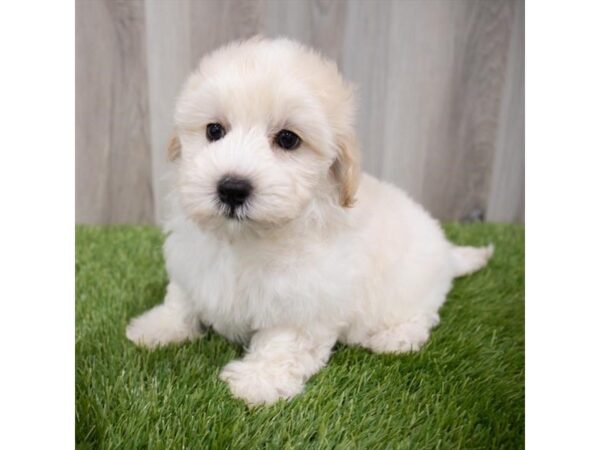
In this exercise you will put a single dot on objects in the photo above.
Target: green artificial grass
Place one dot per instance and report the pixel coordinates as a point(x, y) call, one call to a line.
point(465, 389)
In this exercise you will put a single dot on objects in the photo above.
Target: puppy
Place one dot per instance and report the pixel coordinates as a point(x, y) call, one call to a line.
point(276, 239)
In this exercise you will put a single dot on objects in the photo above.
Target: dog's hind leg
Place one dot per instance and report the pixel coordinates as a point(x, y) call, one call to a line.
point(403, 337)
point(170, 322)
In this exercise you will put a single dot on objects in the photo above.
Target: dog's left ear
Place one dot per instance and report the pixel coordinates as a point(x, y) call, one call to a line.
point(346, 168)
point(174, 147)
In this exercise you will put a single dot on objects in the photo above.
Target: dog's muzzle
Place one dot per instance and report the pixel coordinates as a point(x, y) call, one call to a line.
point(233, 192)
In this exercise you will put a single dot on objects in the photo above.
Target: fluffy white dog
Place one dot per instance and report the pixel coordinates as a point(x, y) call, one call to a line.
point(276, 240)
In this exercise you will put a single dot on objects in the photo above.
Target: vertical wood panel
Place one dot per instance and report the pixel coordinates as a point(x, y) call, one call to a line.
point(364, 62)
point(318, 23)
point(458, 164)
point(440, 104)
point(217, 22)
point(288, 18)
point(113, 181)
point(168, 33)
point(506, 202)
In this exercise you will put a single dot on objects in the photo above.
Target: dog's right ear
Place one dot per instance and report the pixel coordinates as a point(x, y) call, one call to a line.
point(174, 147)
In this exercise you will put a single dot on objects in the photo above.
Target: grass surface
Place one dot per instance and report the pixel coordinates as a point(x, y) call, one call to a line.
point(465, 389)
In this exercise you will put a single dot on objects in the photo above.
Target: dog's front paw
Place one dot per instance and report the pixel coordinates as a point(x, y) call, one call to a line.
point(159, 327)
point(260, 383)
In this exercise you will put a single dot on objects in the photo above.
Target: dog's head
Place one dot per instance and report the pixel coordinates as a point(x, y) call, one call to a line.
point(262, 128)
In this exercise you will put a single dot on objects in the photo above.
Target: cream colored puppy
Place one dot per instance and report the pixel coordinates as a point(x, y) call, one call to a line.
point(276, 240)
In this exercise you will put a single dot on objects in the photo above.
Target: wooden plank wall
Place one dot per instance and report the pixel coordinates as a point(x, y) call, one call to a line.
point(441, 86)
point(113, 160)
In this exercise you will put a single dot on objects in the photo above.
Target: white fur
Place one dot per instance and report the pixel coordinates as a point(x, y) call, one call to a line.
point(298, 271)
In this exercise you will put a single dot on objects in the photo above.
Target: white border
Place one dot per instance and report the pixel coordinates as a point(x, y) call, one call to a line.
point(563, 227)
point(37, 225)
point(563, 224)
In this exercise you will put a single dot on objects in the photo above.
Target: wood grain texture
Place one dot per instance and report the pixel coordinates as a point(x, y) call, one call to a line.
point(439, 82)
point(217, 22)
point(458, 165)
point(168, 37)
point(113, 164)
point(506, 202)
point(318, 23)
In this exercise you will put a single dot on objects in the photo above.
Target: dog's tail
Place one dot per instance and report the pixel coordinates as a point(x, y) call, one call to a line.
point(470, 259)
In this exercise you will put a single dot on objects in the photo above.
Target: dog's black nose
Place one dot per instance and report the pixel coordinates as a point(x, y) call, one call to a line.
point(233, 191)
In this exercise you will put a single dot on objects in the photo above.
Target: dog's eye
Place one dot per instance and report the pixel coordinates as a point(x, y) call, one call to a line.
point(287, 140)
point(214, 131)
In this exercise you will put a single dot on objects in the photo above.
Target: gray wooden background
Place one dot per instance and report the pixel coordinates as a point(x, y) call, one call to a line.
point(441, 87)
